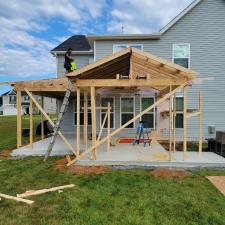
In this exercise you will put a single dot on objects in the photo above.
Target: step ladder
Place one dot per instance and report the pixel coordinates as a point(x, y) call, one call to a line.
point(62, 112)
point(142, 134)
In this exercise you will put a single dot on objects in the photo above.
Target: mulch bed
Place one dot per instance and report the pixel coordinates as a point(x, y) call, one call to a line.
point(218, 182)
point(170, 173)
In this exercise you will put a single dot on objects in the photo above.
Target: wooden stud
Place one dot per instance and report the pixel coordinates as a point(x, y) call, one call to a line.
point(127, 123)
point(102, 127)
point(200, 122)
point(19, 121)
point(174, 123)
point(108, 130)
point(50, 121)
point(43, 191)
point(185, 124)
point(31, 122)
point(93, 121)
point(170, 126)
point(85, 133)
point(78, 122)
point(16, 199)
point(42, 119)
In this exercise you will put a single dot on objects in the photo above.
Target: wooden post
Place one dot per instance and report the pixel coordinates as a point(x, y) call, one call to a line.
point(42, 119)
point(170, 125)
point(200, 122)
point(31, 122)
point(85, 135)
point(78, 122)
point(174, 123)
point(19, 122)
point(185, 124)
point(108, 133)
point(93, 121)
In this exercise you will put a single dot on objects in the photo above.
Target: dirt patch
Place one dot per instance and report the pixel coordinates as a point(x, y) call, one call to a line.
point(99, 170)
point(5, 153)
point(218, 182)
point(79, 170)
point(170, 173)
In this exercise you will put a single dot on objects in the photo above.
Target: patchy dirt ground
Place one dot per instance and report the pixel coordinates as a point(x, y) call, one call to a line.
point(218, 182)
point(79, 170)
point(5, 153)
point(170, 173)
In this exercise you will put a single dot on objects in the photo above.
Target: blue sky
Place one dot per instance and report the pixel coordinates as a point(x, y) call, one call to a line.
point(29, 29)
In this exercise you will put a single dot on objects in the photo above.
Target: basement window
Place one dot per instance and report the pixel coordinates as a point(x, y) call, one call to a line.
point(104, 103)
point(149, 117)
point(82, 111)
point(126, 110)
point(119, 47)
point(181, 54)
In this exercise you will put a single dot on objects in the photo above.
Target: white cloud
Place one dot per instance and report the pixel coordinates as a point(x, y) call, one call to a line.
point(143, 16)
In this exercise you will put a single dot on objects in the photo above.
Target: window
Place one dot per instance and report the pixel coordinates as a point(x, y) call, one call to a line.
point(181, 54)
point(104, 103)
point(179, 115)
point(127, 110)
point(82, 111)
point(26, 98)
point(119, 47)
point(12, 99)
point(149, 117)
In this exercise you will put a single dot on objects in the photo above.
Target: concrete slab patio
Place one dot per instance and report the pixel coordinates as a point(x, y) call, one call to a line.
point(127, 155)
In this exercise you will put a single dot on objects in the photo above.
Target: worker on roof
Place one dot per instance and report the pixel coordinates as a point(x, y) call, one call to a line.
point(69, 64)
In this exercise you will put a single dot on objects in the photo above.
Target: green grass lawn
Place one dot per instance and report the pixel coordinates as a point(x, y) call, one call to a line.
point(117, 197)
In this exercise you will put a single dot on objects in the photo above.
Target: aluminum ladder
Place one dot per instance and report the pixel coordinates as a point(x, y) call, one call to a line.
point(62, 112)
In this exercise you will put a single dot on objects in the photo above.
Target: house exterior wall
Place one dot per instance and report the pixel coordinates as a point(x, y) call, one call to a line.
point(204, 28)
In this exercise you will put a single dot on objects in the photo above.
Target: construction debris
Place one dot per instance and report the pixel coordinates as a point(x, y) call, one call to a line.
point(218, 182)
point(43, 191)
point(18, 199)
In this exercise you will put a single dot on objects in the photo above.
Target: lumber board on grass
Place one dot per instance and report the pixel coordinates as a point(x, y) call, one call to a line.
point(43, 191)
point(18, 199)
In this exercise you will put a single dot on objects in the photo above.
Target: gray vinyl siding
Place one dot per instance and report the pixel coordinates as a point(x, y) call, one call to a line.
point(81, 60)
point(204, 28)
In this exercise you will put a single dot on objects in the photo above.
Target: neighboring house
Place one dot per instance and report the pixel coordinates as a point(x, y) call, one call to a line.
point(9, 104)
point(1, 108)
point(194, 39)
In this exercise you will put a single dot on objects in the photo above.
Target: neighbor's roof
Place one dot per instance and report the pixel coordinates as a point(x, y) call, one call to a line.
point(78, 43)
point(180, 16)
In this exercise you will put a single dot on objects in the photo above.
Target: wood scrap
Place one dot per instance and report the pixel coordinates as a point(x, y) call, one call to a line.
point(18, 199)
point(43, 191)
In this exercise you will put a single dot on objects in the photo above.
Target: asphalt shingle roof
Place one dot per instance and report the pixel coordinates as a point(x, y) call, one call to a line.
point(76, 42)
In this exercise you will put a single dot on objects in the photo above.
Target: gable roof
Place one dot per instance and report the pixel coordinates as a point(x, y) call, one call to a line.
point(180, 16)
point(133, 62)
point(78, 43)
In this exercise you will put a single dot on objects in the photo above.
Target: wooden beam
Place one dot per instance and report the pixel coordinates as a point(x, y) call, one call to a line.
point(19, 121)
point(185, 124)
point(128, 82)
point(85, 134)
point(102, 127)
point(50, 121)
point(42, 119)
point(16, 199)
point(93, 121)
point(108, 130)
point(193, 114)
point(170, 126)
point(174, 122)
point(78, 122)
point(127, 123)
point(31, 123)
point(200, 121)
point(43, 191)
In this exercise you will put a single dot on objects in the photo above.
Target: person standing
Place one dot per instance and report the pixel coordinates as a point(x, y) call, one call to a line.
point(69, 63)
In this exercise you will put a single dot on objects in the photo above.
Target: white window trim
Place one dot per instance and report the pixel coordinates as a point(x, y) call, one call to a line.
point(189, 58)
point(9, 99)
point(143, 96)
point(74, 125)
point(178, 95)
point(114, 99)
point(127, 45)
point(130, 112)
